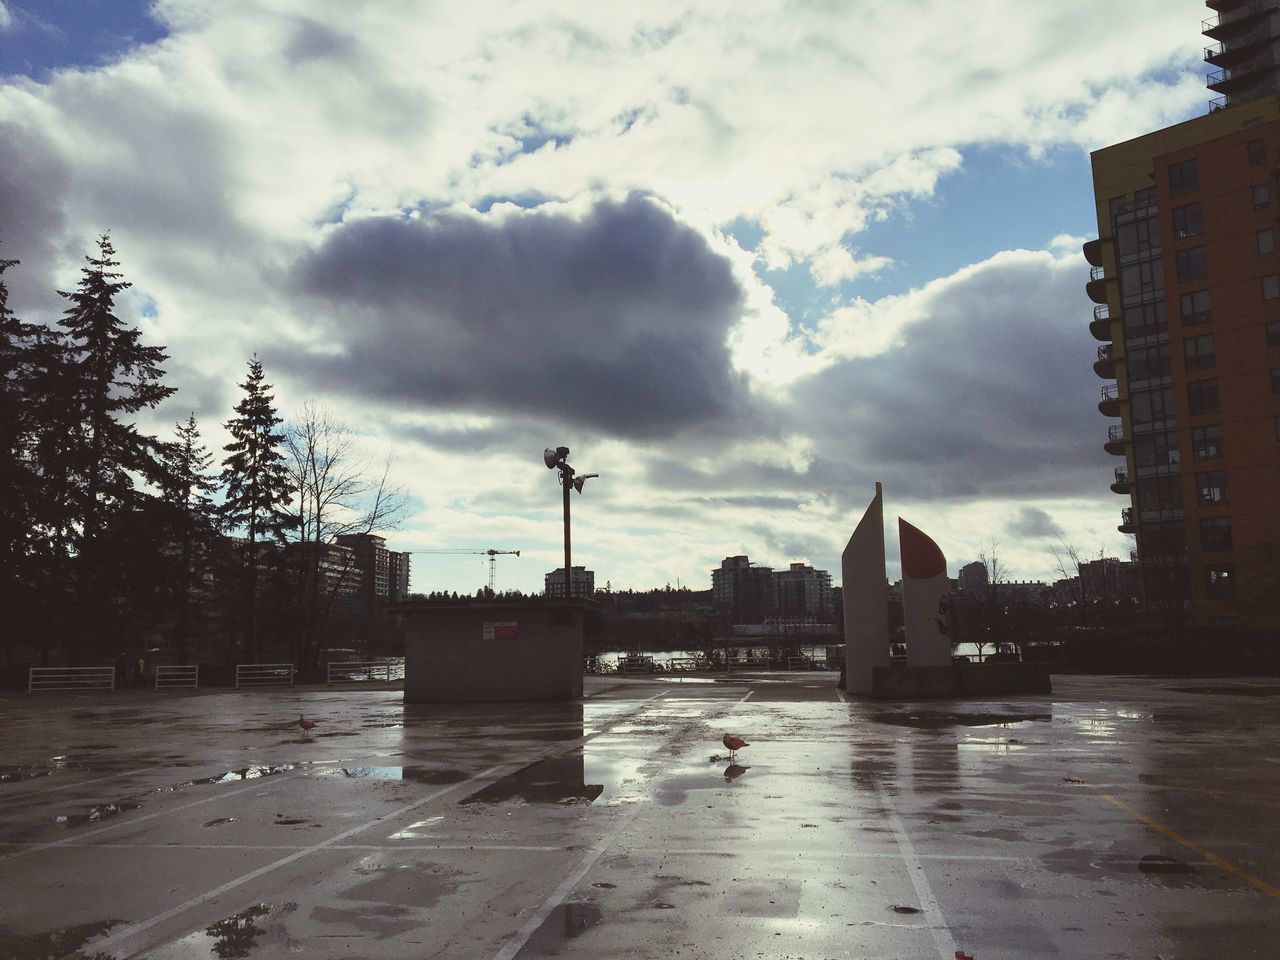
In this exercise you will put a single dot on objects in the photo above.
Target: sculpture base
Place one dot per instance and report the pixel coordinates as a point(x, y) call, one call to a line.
point(959, 680)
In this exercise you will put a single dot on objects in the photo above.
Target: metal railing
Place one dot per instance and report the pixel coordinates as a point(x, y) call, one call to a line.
point(1214, 50)
point(1126, 517)
point(800, 663)
point(1111, 391)
point(1115, 433)
point(1218, 103)
point(171, 677)
point(357, 671)
point(264, 675)
point(1122, 475)
point(1101, 312)
point(1097, 273)
point(53, 679)
point(1104, 352)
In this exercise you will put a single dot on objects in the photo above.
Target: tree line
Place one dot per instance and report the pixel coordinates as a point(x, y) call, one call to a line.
point(113, 540)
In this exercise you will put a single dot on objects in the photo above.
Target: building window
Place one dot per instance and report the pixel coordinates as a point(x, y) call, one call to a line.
point(1197, 352)
point(1184, 177)
point(1145, 320)
point(1262, 195)
point(1156, 449)
point(1273, 333)
point(1195, 308)
point(1270, 287)
point(1215, 533)
point(1145, 197)
point(1160, 493)
point(1202, 397)
point(1211, 487)
point(1191, 264)
point(1275, 381)
point(1187, 221)
point(1151, 406)
point(1220, 582)
point(1257, 152)
point(1206, 442)
point(1266, 241)
point(1148, 363)
point(1116, 205)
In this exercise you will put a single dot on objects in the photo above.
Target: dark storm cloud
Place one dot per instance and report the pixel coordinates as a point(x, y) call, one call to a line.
point(616, 320)
point(990, 395)
point(33, 183)
point(1032, 523)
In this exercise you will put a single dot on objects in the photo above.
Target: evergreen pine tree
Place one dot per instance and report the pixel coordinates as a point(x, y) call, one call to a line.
point(106, 374)
point(257, 486)
point(192, 516)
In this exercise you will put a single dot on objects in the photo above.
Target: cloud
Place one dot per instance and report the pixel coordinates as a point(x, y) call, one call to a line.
point(6, 18)
point(617, 318)
point(1033, 523)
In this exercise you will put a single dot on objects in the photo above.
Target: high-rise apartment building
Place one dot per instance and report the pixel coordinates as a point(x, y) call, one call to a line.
point(1186, 278)
point(581, 581)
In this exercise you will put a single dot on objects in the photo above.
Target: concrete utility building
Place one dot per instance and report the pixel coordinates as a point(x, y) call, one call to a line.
point(1187, 285)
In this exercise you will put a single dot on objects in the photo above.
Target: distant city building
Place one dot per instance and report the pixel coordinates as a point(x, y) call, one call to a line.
point(746, 593)
point(384, 574)
point(973, 577)
point(581, 581)
point(803, 593)
point(1187, 293)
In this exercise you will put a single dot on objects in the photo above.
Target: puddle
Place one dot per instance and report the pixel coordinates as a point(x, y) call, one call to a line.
point(936, 721)
point(555, 780)
point(1235, 691)
point(221, 820)
point(235, 936)
point(63, 942)
point(733, 771)
point(416, 831)
point(902, 908)
point(99, 811)
point(8, 774)
point(232, 776)
point(281, 821)
point(1155, 864)
point(413, 774)
point(565, 922)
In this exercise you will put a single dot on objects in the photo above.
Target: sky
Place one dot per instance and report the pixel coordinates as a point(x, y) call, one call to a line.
point(744, 260)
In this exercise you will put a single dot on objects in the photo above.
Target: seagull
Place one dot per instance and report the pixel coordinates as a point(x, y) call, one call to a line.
point(733, 771)
point(733, 744)
point(305, 724)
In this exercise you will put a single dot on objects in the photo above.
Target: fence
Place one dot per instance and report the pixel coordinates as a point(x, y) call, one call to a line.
point(353, 671)
point(70, 678)
point(264, 674)
point(172, 678)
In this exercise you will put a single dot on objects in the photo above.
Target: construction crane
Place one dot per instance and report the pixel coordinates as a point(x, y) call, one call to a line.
point(490, 553)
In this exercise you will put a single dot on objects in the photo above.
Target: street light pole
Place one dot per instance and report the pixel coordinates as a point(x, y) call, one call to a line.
point(566, 472)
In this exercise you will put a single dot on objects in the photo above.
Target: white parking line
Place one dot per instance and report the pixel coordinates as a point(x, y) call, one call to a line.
point(936, 922)
point(77, 783)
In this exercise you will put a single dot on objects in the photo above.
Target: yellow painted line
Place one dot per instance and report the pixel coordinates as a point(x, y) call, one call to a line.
point(1160, 828)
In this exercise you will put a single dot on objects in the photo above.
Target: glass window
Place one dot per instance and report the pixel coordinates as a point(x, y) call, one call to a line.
point(1116, 204)
point(1144, 197)
point(1215, 533)
point(1266, 241)
point(1220, 582)
point(1191, 264)
point(1187, 221)
point(1195, 308)
point(1144, 319)
point(1159, 493)
point(1151, 406)
point(1184, 177)
point(1275, 381)
point(1148, 363)
point(1202, 397)
point(1206, 442)
point(1141, 280)
point(1262, 195)
point(1211, 487)
point(1257, 151)
point(1270, 287)
point(1197, 352)
point(1156, 449)
point(1273, 333)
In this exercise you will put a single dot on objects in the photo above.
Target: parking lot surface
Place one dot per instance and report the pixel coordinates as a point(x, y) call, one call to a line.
point(1118, 818)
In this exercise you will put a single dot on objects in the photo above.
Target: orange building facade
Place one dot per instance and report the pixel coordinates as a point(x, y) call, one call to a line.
point(1186, 279)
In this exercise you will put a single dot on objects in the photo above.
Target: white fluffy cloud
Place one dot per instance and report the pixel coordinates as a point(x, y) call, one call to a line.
point(291, 177)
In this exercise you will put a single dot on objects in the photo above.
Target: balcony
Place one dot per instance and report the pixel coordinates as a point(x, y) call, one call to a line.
point(1115, 440)
point(1109, 405)
point(1126, 521)
point(1121, 484)
point(1093, 252)
point(1100, 327)
point(1248, 17)
point(1218, 103)
point(1228, 55)
point(1105, 365)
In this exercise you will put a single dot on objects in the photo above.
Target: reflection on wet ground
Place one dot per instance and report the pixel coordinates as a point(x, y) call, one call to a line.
point(62, 943)
point(255, 772)
point(96, 812)
point(929, 720)
point(1237, 690)
point(565, 922)
point(554, 780)
point(414, 774)
point(236, 936)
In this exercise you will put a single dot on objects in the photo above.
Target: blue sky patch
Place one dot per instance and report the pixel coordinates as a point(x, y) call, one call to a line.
point(57, 34)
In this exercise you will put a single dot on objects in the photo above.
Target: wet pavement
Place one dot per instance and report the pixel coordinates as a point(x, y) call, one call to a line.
point(1119, 818)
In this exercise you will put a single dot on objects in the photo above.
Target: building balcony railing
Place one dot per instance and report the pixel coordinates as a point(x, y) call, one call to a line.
point(1102, 312)
point(1109, 405)
point(1115, 433)
point(1104, 351)
point(1126, 521)
point(1097, 273)
point(1110, 391)
point(1218, 103)
point(1121, 484)
point(1122, 474)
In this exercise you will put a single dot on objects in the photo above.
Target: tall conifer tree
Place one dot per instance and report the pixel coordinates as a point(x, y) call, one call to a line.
point(258, 489)
point(192, 515)
point(107, 375)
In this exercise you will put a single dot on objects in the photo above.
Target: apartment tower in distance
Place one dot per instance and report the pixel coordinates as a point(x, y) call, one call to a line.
point(1186, 279)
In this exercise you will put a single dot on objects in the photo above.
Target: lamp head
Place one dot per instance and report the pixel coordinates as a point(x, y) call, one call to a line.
point(580, 481)
point(554, 456)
